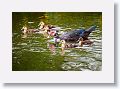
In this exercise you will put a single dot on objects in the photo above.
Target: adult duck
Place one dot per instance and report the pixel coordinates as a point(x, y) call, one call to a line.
point(74, 36)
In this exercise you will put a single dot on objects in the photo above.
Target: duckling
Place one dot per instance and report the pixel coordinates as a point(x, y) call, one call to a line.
point(84, 42)
point(24, 29)
point(80, 43)
point(52, 33)
point(41, 25)
point(63, 44)
point(45, 31)
point(49, 32)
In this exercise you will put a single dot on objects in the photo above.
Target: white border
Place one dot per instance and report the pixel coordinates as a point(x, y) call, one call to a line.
point(104, 76)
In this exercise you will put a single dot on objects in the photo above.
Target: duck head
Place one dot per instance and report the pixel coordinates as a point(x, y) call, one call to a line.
point(92, 28)
point(87, 32)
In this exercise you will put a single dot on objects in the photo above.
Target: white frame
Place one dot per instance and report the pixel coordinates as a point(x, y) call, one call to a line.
point(104, 76)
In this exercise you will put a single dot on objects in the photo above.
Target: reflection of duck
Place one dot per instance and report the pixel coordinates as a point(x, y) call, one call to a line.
point(51, 47)
point(76, 34)
point(54, 40)
point(24, 35)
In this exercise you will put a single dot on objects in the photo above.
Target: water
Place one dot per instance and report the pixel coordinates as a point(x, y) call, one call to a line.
point(32, 52)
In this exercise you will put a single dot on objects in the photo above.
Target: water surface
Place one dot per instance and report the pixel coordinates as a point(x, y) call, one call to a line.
point(32, 52)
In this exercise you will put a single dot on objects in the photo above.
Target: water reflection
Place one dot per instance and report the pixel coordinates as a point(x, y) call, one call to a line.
point(52, 48)
point(24, 35)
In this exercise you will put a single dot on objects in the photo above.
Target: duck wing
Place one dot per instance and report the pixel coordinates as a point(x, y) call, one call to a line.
point(72, 35)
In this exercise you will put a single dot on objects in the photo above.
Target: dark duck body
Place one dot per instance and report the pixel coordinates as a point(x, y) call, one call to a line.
point(74, 36)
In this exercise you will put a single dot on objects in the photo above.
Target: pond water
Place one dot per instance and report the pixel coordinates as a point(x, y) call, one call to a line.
point(32, 52)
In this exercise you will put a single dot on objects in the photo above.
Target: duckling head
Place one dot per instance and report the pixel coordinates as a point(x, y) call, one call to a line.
point(24, 29)
point(63, 42)
point(41, 23)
